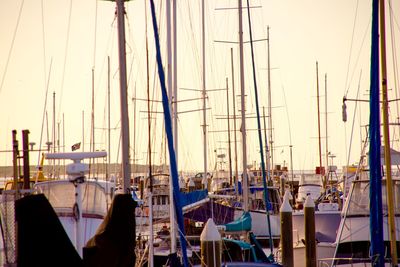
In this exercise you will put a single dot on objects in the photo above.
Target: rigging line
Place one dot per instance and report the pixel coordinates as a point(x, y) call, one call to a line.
point(65, 60)
point(391, 11)
point(12, 45)
point(43, 44)
point(287, 114)
point(44, 116)
point(133, 50)
point(367, 30)
point(192, 32)
point(109, 47)
point(354, 118)
point(346, 86)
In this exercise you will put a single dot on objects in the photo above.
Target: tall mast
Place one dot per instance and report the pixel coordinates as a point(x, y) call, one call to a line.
point(175, 81)
point(91, 165)
point(54, 133)
point(109, 117)
point(54, 123)
point(134, 160)
point(229, 133)
point(126, 167)
point(259, 131)
point(234, 123)
point(171, 99)
point(92, 130)
point(326, 129)
point(243, 111)
point(83, 130)
point(266, 148)
point(377, 247)
point(388, 161)
point(270, 151)
point(63, 142)
point(150, 195)
point(203, 47)
point(319, 129)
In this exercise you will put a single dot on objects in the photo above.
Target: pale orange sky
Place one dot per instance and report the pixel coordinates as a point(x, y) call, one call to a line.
point(301, 33)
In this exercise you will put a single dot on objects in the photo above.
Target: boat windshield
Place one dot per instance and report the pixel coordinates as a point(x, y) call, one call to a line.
point(61, 195)
point(359, 202)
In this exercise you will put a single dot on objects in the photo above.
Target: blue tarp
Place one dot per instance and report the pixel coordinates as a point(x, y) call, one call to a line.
point(192, 197)
point(243, 223)
point(221, 214)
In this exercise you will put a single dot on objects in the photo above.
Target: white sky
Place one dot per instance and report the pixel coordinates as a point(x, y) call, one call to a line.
point(334, 33)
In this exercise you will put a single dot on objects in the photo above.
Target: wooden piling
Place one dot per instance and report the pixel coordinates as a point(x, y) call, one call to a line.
point(309, 232)
point(25, 147)
point(15, 162)
point(210, 242)
point(286, 231)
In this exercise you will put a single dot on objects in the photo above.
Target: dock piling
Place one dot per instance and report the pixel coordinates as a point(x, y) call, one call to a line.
point(286, 231)
point(309, 231)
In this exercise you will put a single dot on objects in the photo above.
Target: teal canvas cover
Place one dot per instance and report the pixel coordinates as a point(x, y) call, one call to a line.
point(243, 223)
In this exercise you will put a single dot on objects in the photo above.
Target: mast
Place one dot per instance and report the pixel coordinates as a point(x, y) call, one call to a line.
point(259, 131)
point(54, 133)
point(92, 130)
point(134, 160)
point(63, 142)
point(126, 167)
point(83, 130)
point(270, 155)
point(171, 99)
point(168, 131)
point(203, 47)
point(319, 130)
point(326, 129)
point(243, 112)
point(175, 80)
point(375, 190)
point(150, 197)
point(58, 146)
point(234, 123)
point(266, 148)
point(92, 147)
point(229, 133)
point(109, 117)
point(386, 138)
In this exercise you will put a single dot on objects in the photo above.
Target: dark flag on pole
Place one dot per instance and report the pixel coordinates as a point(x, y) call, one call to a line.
point(76, 146)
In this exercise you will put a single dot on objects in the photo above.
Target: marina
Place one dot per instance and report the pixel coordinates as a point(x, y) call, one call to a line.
point(190, 160)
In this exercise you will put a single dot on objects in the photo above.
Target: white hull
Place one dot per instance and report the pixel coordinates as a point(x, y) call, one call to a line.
point(259, 225)
point(325, 252)
point(90, 226)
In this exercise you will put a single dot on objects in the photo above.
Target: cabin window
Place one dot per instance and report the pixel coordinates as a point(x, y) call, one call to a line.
point(163, 200)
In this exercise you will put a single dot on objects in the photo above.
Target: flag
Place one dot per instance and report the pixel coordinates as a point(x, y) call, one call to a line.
point(76, 146)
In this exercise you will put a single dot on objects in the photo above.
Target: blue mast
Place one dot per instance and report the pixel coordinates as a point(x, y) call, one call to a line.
point(375, 189)
point(168, 130)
